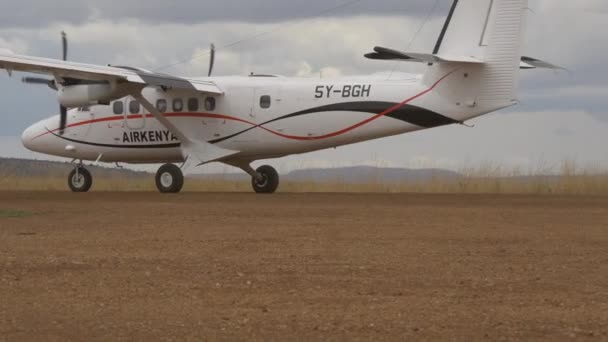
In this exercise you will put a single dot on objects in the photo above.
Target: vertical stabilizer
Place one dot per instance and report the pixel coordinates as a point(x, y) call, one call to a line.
point(490, 31)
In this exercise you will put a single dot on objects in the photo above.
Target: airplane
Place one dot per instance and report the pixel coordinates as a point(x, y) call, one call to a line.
point(121, 114)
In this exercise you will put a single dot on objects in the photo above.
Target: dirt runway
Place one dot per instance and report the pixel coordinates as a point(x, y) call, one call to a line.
point(196, 266)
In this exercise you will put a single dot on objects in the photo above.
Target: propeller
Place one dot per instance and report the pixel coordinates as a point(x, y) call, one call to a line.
point(39, 80)
point(212, 59)
point(63, 119)
point(52, 83)
point(64, 44)
point(63, 111)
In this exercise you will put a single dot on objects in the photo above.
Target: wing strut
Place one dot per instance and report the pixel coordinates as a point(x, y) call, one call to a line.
point(201, 150)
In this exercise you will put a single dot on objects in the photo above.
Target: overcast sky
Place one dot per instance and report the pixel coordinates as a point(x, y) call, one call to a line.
point(562, 115)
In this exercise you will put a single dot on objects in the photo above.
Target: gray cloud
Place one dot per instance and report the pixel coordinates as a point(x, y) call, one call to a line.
point(564, 132)
point(40, 13)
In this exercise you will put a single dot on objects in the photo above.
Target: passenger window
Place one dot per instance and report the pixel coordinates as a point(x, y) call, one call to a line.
point(118, 107)
point(193, 104)
point(178, 105)
point(161, 105)
point(265, 101)
point(210, 104)
point(134, 107)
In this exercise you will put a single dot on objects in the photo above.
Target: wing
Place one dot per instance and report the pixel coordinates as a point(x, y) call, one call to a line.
point(202, 151)
point(91, 72)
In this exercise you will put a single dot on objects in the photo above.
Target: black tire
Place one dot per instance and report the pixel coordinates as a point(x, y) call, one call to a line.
point(270, 181)
point(80, 180)
point(169, 179)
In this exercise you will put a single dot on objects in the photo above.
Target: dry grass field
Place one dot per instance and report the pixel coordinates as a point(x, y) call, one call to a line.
point(565, 178)
point(582, 185)
point(209, 266)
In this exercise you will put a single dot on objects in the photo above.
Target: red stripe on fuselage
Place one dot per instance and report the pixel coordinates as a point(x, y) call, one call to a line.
point(149, 116)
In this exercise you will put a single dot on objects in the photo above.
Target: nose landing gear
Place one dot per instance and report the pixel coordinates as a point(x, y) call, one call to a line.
point(80, 179)
point(169, 179)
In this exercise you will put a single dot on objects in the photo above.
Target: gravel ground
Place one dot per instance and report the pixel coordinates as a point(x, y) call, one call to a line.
point(194, 266)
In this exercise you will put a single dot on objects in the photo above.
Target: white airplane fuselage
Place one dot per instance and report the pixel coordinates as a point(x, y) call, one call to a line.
point(263, 117)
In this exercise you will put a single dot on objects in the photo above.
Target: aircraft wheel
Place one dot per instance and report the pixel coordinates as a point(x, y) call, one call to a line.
point(269, 181)
point(169, 179)
point(80, 180)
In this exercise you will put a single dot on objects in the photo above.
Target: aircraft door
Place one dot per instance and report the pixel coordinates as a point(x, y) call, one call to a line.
point(81, 114)
point(241, 101)
point(133, 113)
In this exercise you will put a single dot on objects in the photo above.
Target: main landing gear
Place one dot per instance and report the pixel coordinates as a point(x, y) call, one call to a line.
point(264, 180)
point(169, 179)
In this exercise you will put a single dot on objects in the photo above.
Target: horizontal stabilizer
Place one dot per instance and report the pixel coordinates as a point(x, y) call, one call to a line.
point(386, 54)
point(533, 63)
point(381, 53)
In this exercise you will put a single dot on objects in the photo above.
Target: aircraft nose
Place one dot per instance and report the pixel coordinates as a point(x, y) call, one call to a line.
point(30, 135)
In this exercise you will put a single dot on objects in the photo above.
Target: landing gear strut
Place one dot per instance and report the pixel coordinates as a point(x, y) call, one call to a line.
point(169, 179)
point(80, 179)
point(265, 180)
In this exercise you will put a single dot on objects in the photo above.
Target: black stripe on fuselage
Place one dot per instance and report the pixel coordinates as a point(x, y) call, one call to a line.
point(411, 114)
point(421, 117)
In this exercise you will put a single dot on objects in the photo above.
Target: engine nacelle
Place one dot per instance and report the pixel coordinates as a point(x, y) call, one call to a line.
point(89, 94)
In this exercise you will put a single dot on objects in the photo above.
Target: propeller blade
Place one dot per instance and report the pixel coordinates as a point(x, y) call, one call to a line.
point(36, 80)
point(64, 43)
point(63, 119)
point(212, 59)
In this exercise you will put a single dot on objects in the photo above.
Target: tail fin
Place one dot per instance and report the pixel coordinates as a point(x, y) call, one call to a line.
point(490, 31)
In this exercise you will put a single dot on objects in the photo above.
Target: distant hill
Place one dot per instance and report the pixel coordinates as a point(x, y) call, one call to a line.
point(42, 168)
point(356, 174)
point(360, 174)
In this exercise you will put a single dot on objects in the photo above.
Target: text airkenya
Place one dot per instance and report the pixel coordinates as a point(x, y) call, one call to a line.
point(148, 136)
